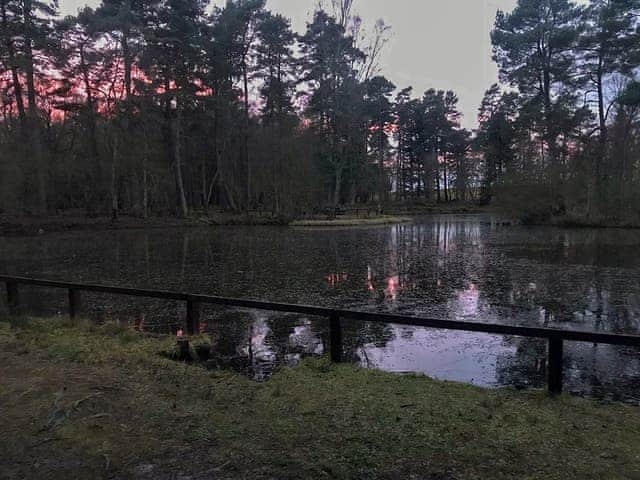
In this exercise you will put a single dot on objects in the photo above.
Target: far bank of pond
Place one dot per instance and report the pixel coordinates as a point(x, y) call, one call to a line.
point(102, 402)
point(32, 225)
point(353, 216)
point(352, 221)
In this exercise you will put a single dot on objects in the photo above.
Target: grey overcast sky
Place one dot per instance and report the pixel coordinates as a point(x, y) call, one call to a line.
point(442, 44)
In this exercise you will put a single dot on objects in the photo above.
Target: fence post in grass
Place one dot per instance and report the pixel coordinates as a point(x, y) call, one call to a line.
point(554, 366)
point(193, 317)
point(183, 349)
point(13, 298)
point(75, 301)
point(335, 338)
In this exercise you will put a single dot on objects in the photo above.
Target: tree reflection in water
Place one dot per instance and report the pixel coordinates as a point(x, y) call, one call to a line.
point(468, 268)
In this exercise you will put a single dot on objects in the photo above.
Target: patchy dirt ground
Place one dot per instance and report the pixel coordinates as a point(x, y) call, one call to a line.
point(78, 401)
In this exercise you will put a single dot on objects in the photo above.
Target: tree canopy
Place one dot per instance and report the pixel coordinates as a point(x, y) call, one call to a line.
point(167, 106)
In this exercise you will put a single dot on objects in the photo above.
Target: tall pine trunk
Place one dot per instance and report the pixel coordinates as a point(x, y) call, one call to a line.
point(177, 160)
point(114, 177)
point(338, 185)
point(247, 161)
point(33, 124)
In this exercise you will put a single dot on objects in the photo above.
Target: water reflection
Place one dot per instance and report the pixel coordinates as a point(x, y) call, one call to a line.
point(466, 268)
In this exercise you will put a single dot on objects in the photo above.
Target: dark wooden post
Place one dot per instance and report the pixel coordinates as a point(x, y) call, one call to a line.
point(183, 349)
point(335, 338)
point(554, 366)
point(75, 303)
point(13, 298)
point(193, 317)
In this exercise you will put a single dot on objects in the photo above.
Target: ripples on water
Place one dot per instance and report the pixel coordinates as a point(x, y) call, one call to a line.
point(459, 267)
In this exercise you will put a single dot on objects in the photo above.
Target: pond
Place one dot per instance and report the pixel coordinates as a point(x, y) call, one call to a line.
point(473, 268)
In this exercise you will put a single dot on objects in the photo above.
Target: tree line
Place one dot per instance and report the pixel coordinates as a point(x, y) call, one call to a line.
point(174, 106)
point(561, 135)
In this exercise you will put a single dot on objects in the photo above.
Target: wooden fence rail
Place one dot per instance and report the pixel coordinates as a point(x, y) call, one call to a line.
point(554, 337)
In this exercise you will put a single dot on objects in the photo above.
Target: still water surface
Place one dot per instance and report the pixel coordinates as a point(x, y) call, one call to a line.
point(460, 267)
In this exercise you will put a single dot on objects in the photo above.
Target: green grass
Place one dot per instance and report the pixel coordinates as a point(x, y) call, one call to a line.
point(99, 402)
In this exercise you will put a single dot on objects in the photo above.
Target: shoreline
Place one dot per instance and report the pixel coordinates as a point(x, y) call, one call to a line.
point(32, 226)
point(567, 223)
point(17, 226)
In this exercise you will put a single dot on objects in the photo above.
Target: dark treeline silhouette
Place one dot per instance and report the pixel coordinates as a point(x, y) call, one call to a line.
point(564, 139)
point(173, 106)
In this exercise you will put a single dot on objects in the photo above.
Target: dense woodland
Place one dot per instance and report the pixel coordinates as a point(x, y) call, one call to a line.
point(168, 107)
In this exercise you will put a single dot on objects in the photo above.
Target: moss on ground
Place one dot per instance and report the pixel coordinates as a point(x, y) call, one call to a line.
point(79, 401)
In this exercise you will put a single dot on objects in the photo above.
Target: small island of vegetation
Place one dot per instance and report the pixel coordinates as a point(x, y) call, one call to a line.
point(350, 221)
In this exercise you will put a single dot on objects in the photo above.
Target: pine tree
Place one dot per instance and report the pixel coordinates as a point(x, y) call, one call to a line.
point(535, 48)
point(329, 55)
point(380, 110)
point(173, 62)
point(276, 66)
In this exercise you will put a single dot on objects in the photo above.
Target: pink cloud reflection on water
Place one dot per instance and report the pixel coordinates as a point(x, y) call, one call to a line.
point(393, 287)
point(467, 302)
point(467, 357)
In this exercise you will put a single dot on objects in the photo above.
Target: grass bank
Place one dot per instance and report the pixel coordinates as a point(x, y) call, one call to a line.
point(100, 402)
point(351, 221)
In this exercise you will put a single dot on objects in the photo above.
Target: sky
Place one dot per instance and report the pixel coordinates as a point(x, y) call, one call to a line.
point(442, 44)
